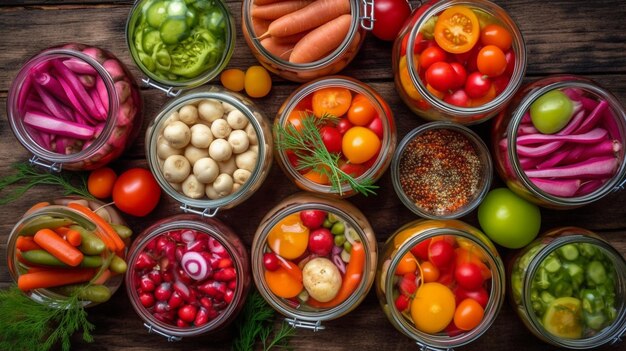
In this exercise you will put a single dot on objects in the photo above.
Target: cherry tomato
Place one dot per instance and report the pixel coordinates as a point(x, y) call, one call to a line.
point(457, 29)
point(295, 119)
point(343, 125)
point(441, 76)
point(317, 177)
point(331, 138)
point(432, 309)
point(436, 93)
point(361, 111)
point(359, 144)
point(270, 261)
point(430, 271)
point(510, 62)
point(491, 61)
point(491, 94)
point(332, 101)
point(477, 85)
point(321, 241)
point(136, 192)
point(468, 276)
point(468, 314)
point(480, 295)
point(493, 34)
point(376, 126)
point(407, 285)
point(312, 219)
point(100, 182)
point(419, 45)
point(289, 237)
point(402, 302)
point(352, 169)
point(500, 83)
point(458, 98)
point(430, 56)
point(390, 17)
point(440, 253)
point(421, 249)
point(459, 77)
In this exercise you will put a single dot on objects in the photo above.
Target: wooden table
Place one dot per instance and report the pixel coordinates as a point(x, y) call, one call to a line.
point(578, 37)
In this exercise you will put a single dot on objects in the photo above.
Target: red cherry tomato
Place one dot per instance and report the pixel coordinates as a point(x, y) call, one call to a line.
point(510, 62)
point(270, 261)
point(321, 241)
point(353, 169)
point(136, 192)
point(441, 76)
point(312, 219)
point(431, 55)
point(480, 295)
point(100, 182)
point(459, 77)
point(491, 61)
point(331, 138)
point(440, 253)
point(343, 125)
point(421, 249)
point(390, 17)
point(493, 34)
point(376, 126)
point(468, 276)
point(458, 98)
point(430, 271)
point(500, 83)
point(477, 85)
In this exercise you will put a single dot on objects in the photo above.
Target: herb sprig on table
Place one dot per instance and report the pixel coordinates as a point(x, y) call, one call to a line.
point(307, 144)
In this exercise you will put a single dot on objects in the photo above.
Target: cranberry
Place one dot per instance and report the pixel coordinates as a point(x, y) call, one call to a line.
point(270, 261)
point(202, 317)
point(226, 274)
point(155, 276)
point(146, 284)
point(161, 307)
point(163, 291)
point(402, 302)
point(225, 263)
point(175, 235)
point(228, 297)
point(182, 290)
point(144, 261)
point(213, 289)
point(321, 241)
point(232, 285)
point(187, 313)
point(312, 219)
point(175, 300)
point(146, 299)
point(161, 242)
point(206, 303)
point(169, 251)
point(181, 323)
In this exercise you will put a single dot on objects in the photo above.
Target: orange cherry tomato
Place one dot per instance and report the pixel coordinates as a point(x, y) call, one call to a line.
point(317, 177)
point(468, 314)
point(100, 182)
point(491, 94)
point(407, 264)
point(282, 283)
point(493, 34)
point(432, 309)
point(289, 238)
point(457, 29)
point(361, 111)
point(331, 101)
point(438, 94)
point(491, 61)
point(359, 144)
point(430, 272)
point(295, 118)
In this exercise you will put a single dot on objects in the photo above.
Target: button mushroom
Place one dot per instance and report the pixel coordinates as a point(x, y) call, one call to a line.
point(210, 110)
point(241, 176)
point(220, 150)
point(252, 136)
point(177, 134)
point(238, 140)
point(206, 170)
point(188, 114)
point(223, 184)
point(176, 168)
point(246, 160)
point(220, 129)
point(165, 150)
point(193, 154)
point(228, 166)
point(192, 187)
point(236, 119)
point(201, 136)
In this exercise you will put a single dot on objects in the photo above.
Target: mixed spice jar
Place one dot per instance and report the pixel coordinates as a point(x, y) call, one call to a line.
point(568, 288)
point(441, 170)
point(313, 258)
point(74, 107)
point(440, 282)
point(560, 143)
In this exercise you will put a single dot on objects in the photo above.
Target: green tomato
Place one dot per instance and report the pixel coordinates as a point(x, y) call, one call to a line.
point(551, 112)
point(509, 220)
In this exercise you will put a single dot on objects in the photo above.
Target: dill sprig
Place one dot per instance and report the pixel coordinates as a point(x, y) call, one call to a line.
point(29, 325)
point(308, 146)
point(29, 176)
point(255, 322)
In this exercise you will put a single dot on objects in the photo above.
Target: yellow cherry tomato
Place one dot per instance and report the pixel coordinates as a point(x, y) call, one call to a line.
point(233, 79)
point(359, 144)
point(432, 308)
point(257, 82)
point(282, 283)
point(289, 237)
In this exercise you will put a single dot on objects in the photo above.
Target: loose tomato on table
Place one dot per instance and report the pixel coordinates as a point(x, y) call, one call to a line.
point(390, 17)
point(100, 182)
point(136, 192)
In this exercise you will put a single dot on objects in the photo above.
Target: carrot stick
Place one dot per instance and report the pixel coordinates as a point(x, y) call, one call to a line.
point(351, 280)
point(106, 274)
point(278, 9)
point(279, 50)
point(61, 230)
point(108, 234)
point(26, 243)
point(321, 40)
point(73, 237)
point(37, 206)
point(314, 15)
point(53, 277)
point(57, 247)
point(290, 39)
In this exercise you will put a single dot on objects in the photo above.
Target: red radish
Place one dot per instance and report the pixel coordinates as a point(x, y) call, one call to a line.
point(270, 261)
point(187, 313)
point(195, 265)
point(312, 219)
point(402, 303)
point(321, 241)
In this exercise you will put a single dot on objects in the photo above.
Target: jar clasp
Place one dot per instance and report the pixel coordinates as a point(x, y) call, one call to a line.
point(169, 338)
point(315, 326)
point(618, 339)
point(53, 167)
point(169, 91)
point(620, 186)
point(424, 347)
point(203, 212)
point(367, 20)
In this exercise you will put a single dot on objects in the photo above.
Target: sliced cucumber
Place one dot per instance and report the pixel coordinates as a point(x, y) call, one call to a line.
point(157, 14)
point(563, 318)
point(174, 30)
point(151, 38)
point(176, 8)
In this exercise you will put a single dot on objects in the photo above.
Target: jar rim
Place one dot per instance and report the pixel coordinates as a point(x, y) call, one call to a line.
point(482, 151)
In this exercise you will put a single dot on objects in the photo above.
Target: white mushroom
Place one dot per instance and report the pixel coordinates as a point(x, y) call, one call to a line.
point(220, 150)
point(210, 192)
point(176, 168)
point(210, 110)
point(206, 170)
point(252, 136)
point(236, 119)
point(177, 134)
point(220, 128)
point(173, 117)
point(165, 150)
point(188, 114)
point(201, 136)
point(241, 176)
point(193, 188)
point(228, 107)
point(238, 140)
point(236, 187)
point(177, 186)
point(246, 160)
point(228, 166)
point(223, 184)
point(193, 154)
point(254, 148)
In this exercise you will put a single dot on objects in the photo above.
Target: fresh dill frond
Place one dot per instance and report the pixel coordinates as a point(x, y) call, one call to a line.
point(280, 339)
point(307, 144)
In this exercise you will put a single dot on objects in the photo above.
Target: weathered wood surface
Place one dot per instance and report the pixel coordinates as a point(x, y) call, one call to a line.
point(579, 37)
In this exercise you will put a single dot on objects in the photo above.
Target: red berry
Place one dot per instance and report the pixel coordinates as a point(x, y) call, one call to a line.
point(270, 261)
point(146, 284)
point(468, 276)
point(402, 302)
point(187, 313)
point(224, 263)
point(312, 219)
point(175, 300)
point(376, 126)
point(163, 291)
point(407, 284)
point(226, 274)
point(206, 303)
point(331, 138)
point(228, 297)
point(181, 323)
point(146, 299)
point(155, 276)
point(321, 241)
point(202, 317)
point(144, 261)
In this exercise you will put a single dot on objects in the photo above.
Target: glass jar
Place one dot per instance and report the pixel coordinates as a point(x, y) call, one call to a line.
point(433, 154)
point(254, 29)
point(417, 260)
point(568, 287)
point(417, 35)
point(299, 103)
point(308, 236)
point(520, 165)
point(180, 44)
point(209, 149)
point(188, 276)
point(96, 256)
point(74, 107)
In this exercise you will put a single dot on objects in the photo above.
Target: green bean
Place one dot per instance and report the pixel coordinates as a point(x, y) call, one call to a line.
point(90, 243)
point(45, 258)
point(123, 231)
point(118, 265)
point(43, 222)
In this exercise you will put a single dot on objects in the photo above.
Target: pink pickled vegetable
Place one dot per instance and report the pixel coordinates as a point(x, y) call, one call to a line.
point(553, 160)
point(539, 151)
point(96, 100)
point(195, 265)
point(114, 68)
point(591, 137)
point(80, 66)
point(52, 86)
point(102, 92)
point(593, 118)
point(604, 148)
point(77, 88)
point(563, 188)
point(57, 126)
point(55, 107)
point(87, 81)
point(589, 187)
point(527, 129)
point(596, 167)
point(74, 101)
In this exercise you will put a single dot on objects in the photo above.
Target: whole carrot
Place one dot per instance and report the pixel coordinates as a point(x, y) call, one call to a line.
point(279, 9)
point(277, 49)
point(109, 235)
point(321, 40)
point(57, 247)
point(311, 16)
point(26, 243)
point(264, 2)
point(53, 277)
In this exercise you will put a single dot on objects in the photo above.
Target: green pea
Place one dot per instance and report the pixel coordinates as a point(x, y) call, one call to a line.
point(340, 240)
point(118, 265)
point(347, 246)
point(337, 228)
point(327, 224)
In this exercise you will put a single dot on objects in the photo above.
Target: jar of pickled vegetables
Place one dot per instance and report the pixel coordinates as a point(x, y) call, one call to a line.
point(458, 60)
point(74, 107)
point(180, 44)
point(441, 170)
point(209, 149)
point(187, 276)
point(69, 246)
point(560, 143)
point(335, 136)
point(308, 40)
point(568, 287)
point(313, 258)
point(440, 282)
